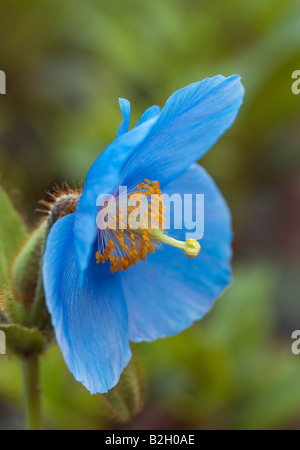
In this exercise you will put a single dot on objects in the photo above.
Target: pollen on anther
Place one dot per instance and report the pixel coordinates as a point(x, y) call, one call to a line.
point(128, 248)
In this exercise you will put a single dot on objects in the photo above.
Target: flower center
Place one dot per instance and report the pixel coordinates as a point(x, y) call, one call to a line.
point(136, 229)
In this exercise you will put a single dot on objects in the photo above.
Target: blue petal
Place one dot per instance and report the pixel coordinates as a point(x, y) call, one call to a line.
point(150, 113)
point(90, 322)
point(191, 121)
point(125, 109)
point(103, 178)
point(169, 292)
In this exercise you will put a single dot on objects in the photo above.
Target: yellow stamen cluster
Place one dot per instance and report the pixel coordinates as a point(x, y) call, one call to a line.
point(135, 244)
point(128, 242)
point(154, 216)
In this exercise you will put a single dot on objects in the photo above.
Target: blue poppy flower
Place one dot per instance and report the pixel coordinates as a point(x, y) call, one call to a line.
point(96, 313)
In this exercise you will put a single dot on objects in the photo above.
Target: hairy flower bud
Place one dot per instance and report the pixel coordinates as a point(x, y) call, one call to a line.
point(26, 271)
point(27, 266)
point(126, 400)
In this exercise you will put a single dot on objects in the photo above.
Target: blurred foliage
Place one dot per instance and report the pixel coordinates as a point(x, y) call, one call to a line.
point(229, 373)
point(12, 235)
point(66, 64)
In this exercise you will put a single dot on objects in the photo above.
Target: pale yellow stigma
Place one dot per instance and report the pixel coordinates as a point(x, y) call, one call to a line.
point(191, 247)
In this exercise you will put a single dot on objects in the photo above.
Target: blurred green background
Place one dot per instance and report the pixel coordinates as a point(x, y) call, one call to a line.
point(66, 63)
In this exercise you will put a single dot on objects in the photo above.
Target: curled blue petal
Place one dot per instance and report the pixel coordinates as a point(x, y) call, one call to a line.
point(191, 121)
point(125, 109)
point(150, 113)
point(169, 291)
point(90, 321)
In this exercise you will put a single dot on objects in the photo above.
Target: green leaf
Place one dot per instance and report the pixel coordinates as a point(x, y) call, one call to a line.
point(275, 401)
point(21, 340)
point(12, 234)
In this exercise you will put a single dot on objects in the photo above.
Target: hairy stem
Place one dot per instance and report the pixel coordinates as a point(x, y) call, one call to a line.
point(31, 392)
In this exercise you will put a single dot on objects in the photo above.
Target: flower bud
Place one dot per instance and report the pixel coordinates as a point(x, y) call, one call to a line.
point(126, 400)
point(26, 268)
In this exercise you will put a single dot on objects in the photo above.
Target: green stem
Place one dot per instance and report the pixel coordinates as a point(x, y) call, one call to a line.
point(31, 392)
